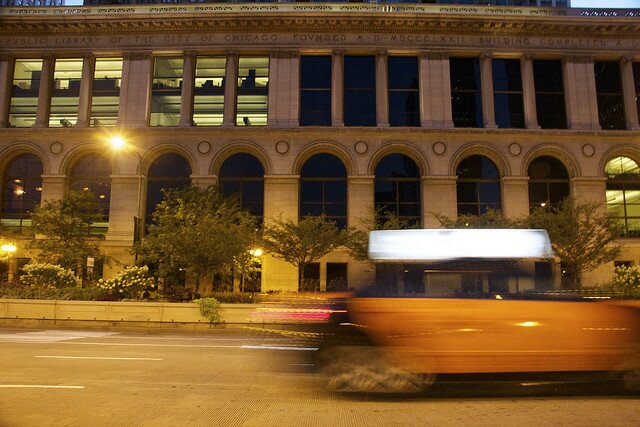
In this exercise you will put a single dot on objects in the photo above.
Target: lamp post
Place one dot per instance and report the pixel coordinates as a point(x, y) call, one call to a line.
point(8, 249)
point(118, 144)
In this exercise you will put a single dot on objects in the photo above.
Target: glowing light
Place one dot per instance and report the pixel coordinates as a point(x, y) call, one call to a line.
point(8, 248)
point(18, 192)
point(117, 142)
point(256, 252)
point(528, 324)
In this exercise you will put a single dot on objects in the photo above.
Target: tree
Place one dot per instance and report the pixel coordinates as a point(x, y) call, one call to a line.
point(490, 219)
point(303, 242)
point(198, 230)
point(582, 236)
point(66, 227)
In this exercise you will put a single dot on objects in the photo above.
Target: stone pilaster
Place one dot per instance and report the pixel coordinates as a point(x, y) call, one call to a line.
point(204, 181)
point(438, 197)
point(337, 91)
point(230, 89)
point(188, 87)
point(515, 196)
point(382, 89)
point(435, 90)
point(6, 83)
point(86, 90)
point(629, 93)
point(124, 207)
point(44, 92)
point(580, 93)
point(361, 199)
point(284, 88)
point(486, 78)
point(135, 92)
point(590, 189)
point(53, 187)
point(529, 93)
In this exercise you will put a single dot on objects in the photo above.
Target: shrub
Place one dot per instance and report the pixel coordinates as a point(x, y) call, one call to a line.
point(22, 291)
point(129, 283)
point(175, 293)
point(626, 283)
point(45, 275)
point(209, 308)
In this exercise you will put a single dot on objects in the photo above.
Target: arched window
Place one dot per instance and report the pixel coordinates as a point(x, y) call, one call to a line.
point(242, 176)
point(397, 189)
point(169, 171)
point(92, 173)
point(623, 194)
point(22, 183)
point(548, 182)
point(323, 189)
point(478, 186)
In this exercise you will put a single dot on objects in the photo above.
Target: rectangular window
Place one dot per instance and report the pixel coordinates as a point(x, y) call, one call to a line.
point(609, 92)
point(466, 95)
point(550, 106)
point(208, 99)
point(24, 92)
point(166, 91)
point(65, 93)
point(337, 276)
point(636, 78)
point(404, 98)
point(253, 91)
point(359, 91)
point(105, 97)
point(507, 93)
point(315, 91)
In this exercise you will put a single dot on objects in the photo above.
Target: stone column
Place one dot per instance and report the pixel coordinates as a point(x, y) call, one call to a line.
point(280, 199)
point(486, 78)
point(361, 198)
point(382, 90)
point(529, 93)
point(86, 91)
point(188, 87)
point(438, 197)
point(6, 84)
point(135, 92)
point(230, 89)
point(435, 90)
point(515, 196)
point(284, 90)
point(124, 206)
point(590, 189)
point(53, 187)
point(629, 93)
point(581, 100)
point(337, 91)
point(44, 91)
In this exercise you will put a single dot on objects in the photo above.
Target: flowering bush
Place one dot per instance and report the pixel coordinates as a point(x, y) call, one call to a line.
point(129, 283)
point(627, 281)
point(40, 274)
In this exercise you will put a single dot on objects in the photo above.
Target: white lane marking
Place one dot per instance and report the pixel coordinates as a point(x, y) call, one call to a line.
point(51, 336)
point(266, 347)
point(40, 386)
point(97, 358)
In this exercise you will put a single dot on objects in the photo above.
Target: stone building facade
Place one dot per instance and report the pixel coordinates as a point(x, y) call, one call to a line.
point(418, 109)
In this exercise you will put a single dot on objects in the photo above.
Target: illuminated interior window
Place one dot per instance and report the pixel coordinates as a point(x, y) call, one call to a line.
point(478, 186)
point(24, 92)
point(623, 194)
point(548, 183)
point(22, 189)
point(106, 92)
point(65, 93)
point(166, 91)
point(208, 101)
point(93, 173)
point(253, 91)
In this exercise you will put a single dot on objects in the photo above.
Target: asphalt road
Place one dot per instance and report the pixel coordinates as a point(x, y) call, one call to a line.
point(252, 378)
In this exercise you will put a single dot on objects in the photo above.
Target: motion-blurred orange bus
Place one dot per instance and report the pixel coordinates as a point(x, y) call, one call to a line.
point(400, 335)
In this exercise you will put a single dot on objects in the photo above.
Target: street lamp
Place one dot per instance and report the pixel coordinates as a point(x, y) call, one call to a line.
point(118, 144)
point(8, 249)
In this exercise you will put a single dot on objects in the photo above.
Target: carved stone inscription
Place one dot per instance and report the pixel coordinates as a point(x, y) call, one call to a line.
point(269, 40)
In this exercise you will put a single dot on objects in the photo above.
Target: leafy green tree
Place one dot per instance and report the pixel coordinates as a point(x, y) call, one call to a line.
point(582, 236)
point(197, 230)
point(303, 242)
point(490, 219)
point(65, 230)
